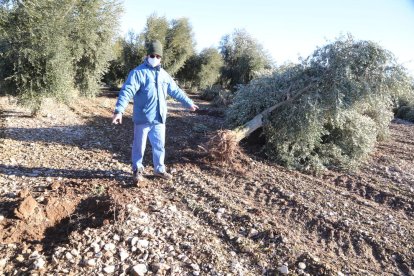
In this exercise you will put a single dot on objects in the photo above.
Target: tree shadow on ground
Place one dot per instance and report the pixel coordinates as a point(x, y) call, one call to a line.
point(92, 212)
point(186, 134)
point(64, 173)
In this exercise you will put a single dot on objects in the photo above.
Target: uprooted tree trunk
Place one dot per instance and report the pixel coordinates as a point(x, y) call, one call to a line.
point(223, 145)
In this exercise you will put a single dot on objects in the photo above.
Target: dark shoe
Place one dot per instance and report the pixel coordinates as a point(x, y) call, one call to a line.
point(164, 175)
point(137, 176)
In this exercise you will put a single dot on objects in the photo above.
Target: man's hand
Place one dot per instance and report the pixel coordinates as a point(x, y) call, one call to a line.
point(117, 118)
point(194, 107)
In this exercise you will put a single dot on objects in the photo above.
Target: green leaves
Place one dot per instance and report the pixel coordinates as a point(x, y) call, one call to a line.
point(203, 70)
point(354, 87)
point(52, 48)
point(243, 58)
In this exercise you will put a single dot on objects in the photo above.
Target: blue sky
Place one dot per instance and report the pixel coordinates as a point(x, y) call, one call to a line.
point(287, 29)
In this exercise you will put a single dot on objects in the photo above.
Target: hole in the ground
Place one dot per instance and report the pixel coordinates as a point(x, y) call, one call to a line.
point(92, 212)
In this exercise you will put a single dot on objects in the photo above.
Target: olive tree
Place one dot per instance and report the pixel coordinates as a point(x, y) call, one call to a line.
point(94, 26)
point(37, 60)
point(328, 111)
point(50, 48)
point(243, 58)
point(202, 70)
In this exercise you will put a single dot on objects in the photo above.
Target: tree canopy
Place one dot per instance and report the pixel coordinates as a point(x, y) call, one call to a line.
point(243, 58)
point(51, 48)
point(351, 88)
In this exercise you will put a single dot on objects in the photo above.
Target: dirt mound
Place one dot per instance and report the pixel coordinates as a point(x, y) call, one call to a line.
point(57, 209)
point(28, 210)
point(62, 211)
point(33, 218)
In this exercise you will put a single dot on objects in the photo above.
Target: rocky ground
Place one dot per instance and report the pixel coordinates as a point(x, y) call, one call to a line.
point(67, 205)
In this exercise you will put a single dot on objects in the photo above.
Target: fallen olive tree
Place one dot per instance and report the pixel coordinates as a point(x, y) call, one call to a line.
point(328, 111)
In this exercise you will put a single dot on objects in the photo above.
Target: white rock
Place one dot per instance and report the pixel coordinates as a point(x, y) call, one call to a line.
point(172, 208)
point(195, 266)
point(143, 243)
point(253, 232)
point(74, 252)
point(301, 265)
point(3, 262)
point(109, 247)
point(1, 217)
point(134, 241)
point(109, 269)
point(143, 218)
point(283, 269)
point(35, 255)
point(96, 247)
point(68, 256)
point(221, 210)
point(116, 238)
point(123, 255)
point(91, 262)
point(39, 263)
point(139, 270)
point(20, 258)
point(340, 273)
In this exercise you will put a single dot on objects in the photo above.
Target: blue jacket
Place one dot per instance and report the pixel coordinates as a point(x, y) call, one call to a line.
point(149, 87)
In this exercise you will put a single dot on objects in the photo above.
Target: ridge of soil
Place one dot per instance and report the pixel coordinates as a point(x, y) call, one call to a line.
point(67, 206)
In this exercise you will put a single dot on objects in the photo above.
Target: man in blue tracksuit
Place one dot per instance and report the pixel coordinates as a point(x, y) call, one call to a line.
point(149, 84)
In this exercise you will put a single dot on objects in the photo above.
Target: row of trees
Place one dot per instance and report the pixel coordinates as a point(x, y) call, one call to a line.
point(236, 61)
point(64, 49)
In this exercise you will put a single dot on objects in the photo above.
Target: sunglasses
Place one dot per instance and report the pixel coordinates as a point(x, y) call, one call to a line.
point(153, 56)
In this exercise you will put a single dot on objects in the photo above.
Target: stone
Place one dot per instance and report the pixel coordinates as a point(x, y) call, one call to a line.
point(123, 255)
point(109, 269)
point(253, 232)
point(20, 258)
point(24, 193)
point(109, 247)
point(143, 218)
point(91, 262)
point(283, 269)
point(39, 263)
point(159, 267)
point(96, 247)
point(172, 208)
point(134, 241)
point(69, 256)
point(3, 262)
point(143, 243)
point(195, 266)
point(139, 270)
point(74, 252)
point(29, 209)
point(301, 265)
